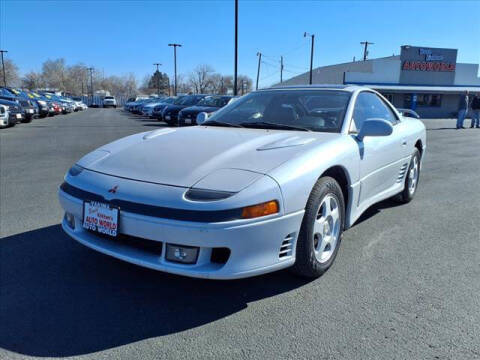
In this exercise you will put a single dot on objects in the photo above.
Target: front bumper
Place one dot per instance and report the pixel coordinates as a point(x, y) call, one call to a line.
point(254, 246)
point(15, 118)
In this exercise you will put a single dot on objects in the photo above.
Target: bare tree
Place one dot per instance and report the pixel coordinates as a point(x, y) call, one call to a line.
point(11, 73)
point(200, 78)
point(183, 87)
point(53, 73)
point(33, 80)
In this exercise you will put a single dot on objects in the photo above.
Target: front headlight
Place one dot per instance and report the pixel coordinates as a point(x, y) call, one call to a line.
point(207, 195)
point(41, 102)
point(75, 170)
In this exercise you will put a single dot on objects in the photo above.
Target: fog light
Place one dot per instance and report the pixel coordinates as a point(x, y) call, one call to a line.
point(182, 254)
point(263, 209)
point(70, 219)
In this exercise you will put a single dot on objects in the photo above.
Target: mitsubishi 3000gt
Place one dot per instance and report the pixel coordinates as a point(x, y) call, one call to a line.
point(268, 182)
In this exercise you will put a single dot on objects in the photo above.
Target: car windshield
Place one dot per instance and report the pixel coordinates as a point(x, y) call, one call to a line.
point(189, 100)
point(109, 97)
point(315, 110)
point(213, 101)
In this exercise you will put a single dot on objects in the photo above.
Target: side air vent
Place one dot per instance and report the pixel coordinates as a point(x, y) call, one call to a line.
point(402, 172)
point(287, 246)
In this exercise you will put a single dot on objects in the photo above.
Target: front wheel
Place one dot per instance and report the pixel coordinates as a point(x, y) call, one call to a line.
point(321, 230)
point(411, 179)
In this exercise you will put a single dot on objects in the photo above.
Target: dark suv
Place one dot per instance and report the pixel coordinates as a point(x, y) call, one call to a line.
point(208, 104)
point(16, 113)
point(170, 113)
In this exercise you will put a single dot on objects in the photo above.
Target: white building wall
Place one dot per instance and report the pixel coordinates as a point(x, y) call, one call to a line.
point(334, 74)
point(384, 71)
point(466, 74)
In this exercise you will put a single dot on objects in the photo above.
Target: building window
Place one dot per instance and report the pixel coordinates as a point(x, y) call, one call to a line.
point(424, 100)
point(389, 97)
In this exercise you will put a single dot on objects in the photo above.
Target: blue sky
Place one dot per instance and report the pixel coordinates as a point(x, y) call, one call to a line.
point(128, 36)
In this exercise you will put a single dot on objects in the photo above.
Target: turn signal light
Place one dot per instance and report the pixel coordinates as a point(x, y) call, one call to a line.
point(263, 209)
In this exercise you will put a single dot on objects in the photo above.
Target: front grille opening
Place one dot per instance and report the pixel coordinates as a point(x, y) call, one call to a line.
point(134, 242)
point(220, 255)
point(286, 248)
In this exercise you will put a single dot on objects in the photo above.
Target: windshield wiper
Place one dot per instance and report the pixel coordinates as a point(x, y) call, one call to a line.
point(220, 123)
point(269, 125)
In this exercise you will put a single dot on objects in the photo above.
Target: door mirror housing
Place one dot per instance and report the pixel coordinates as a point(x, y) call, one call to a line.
point(375, 127)
point(201, 118)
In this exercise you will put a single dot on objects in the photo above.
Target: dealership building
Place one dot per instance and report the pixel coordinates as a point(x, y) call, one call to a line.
point(427, 80)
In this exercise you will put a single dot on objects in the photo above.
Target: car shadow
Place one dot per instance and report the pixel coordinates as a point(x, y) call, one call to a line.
point(377, 208)
point(59, 298)
point(442, 128)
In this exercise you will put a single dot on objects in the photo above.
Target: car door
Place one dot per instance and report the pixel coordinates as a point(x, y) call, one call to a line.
point(380, 157)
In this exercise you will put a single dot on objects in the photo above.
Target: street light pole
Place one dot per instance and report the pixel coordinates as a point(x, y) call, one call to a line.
point(259, 54)
point(235, 90)
point(158, 78)
point(281, 69)
point(175, 64)
point(311, 54)
point(3, 68)
point(91, 84)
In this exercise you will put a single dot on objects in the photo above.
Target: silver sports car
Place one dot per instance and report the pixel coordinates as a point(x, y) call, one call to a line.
point(270, 181)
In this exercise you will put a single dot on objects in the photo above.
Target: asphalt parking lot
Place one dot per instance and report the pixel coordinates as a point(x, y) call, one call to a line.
point(405, 285)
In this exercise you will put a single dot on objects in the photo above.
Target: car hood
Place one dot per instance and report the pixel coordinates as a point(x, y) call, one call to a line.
point(183, 156)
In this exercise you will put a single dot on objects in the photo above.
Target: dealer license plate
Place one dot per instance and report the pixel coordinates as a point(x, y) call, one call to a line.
point(100, 217)
point(167, 117)
point(19, 116)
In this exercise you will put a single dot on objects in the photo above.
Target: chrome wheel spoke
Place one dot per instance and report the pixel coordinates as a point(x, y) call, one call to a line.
point(326, 228)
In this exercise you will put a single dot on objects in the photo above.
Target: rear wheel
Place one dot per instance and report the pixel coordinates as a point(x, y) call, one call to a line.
point(411, 179)
point(321, 230)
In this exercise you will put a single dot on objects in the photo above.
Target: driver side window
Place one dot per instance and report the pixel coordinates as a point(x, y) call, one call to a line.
point(369, 106)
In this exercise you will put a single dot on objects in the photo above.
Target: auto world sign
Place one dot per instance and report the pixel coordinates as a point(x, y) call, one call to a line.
point(428, 66)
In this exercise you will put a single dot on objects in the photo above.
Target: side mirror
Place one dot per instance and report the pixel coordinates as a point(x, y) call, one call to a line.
point(375, 127)
point(201, 118)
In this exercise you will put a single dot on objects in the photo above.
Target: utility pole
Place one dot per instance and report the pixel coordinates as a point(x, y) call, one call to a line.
point(365, 49)
point(158, 78)
point(175, 62)
point(235, 90)
point(281, 69)
point(311, 54)
point(259, 54)
point(91, 83)
point(3, 68)
point(221, 86)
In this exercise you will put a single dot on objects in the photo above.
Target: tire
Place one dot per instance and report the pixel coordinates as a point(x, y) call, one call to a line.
point(412, 177)
point(27, 120)
point(311, 261)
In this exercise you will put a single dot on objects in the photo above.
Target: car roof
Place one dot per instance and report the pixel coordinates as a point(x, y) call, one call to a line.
point(316, 87)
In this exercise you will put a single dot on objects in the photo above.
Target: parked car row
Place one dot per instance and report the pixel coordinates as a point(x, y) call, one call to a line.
point(177, 110)
point(19, 105)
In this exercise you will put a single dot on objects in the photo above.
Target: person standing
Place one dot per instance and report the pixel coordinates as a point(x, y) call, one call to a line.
point(476, 111)
point(462, 110)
